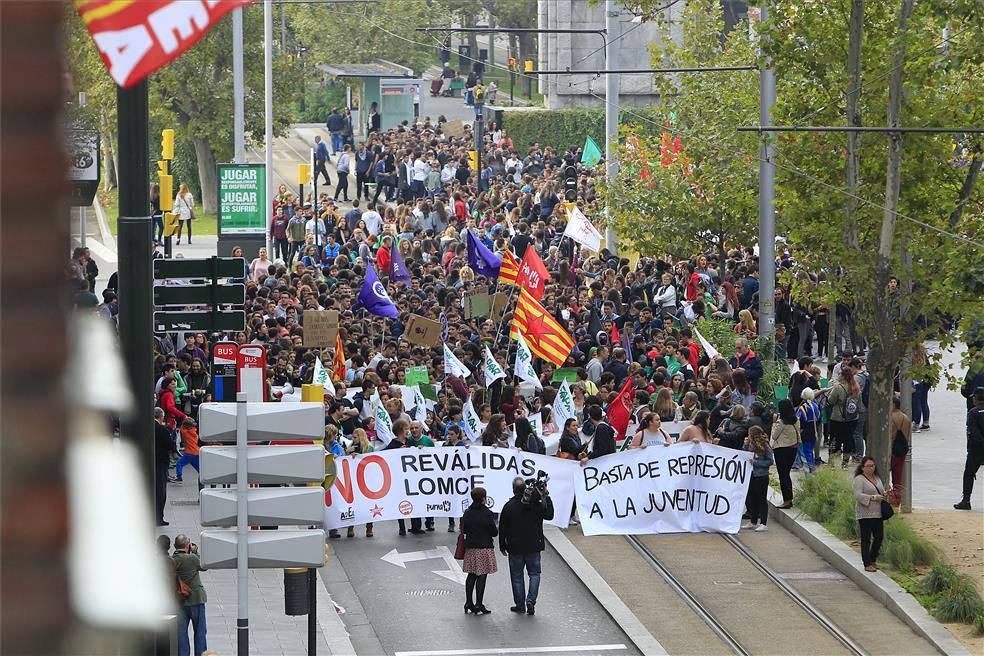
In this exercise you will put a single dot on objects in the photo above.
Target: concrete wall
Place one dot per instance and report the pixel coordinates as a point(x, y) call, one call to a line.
point(560, 51)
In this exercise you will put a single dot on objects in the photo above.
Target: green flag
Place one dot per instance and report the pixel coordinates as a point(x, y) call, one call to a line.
point(591, 154)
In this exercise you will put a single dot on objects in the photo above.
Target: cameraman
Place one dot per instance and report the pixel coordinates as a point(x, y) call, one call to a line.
point(521, 538)
point(188, 565)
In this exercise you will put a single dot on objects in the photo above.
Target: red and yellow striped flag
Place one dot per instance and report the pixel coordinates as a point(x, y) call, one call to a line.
point(509, 269)
point(338, 370)
point(546, 338)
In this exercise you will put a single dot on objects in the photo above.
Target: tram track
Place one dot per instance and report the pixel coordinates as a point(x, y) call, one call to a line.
point(720, 627)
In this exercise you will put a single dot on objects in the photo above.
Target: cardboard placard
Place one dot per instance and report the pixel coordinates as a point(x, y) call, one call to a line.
point(477, 304)
point(454, 129)
point(418, 376)
point(423, 332)
point(499, 303)
point(320, 328)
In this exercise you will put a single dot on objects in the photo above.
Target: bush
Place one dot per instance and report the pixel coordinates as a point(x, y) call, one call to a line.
point(962, 603)
point(940, 579)
point(904, 548)
point(561, 128)
point(979, 624)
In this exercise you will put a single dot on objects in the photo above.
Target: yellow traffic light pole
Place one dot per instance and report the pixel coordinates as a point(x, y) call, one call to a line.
point(166, 183)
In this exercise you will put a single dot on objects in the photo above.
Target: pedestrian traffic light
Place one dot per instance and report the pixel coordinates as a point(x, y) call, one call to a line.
point(170, 222)
point(167, 144)
point(473, 160)
point(570, 183)
point(303, 173)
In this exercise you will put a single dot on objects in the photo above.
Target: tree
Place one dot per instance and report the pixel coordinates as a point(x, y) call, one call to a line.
point(688, 175)
point(919, 195)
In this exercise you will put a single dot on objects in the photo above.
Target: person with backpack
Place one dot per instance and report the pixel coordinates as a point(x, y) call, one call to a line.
point(901, 441)
point(808, 414)
point(860, 430)
point(845, 409)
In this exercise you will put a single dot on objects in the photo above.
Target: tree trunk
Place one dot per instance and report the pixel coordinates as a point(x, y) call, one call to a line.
point(206, 174)
point(973, 171)
point(853, 166)
point(886, 350)
point(109, 154)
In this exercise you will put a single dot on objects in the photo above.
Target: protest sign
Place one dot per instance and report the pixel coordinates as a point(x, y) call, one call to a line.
point(418, 376)
point(477, 304)
point(689, 487)
point(564, 373)
point(437, 482)
point(421, 331)
point(454, 129)
point(499, 303)
point(320, 328)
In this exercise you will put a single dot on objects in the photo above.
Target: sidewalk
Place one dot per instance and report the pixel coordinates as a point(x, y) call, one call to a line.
point(271, 632)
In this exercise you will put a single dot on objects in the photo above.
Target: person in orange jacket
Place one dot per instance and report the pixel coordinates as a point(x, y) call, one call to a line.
point(189, 437)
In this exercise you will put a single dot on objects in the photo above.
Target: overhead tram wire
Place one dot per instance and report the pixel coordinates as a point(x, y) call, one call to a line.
point(797, 171)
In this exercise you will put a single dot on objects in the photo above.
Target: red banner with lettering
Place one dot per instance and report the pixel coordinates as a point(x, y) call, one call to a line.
point(136, 37)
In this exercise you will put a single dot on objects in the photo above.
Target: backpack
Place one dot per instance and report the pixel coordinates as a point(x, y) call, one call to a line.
point(900, 445)
point(864, 388)
point(850, 409)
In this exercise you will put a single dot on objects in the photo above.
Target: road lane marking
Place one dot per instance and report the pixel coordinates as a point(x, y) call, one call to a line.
point(452, 573)
point(514, 650)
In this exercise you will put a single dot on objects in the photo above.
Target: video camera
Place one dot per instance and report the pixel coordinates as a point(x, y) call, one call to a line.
point(536, 488)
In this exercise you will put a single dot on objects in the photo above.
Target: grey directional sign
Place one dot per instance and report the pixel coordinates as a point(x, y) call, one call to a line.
point(200, 320)
point(267, 421)
point(265, 464)
point(267, 549)
point(225, 267)
point(199, 294)
point(297, 506)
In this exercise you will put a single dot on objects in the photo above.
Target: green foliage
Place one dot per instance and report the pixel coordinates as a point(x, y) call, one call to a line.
point(558, 128)
point(318, 102)
point(940, 579)
point(904, 548)
point(720, 333)
point(979, 624)
point(827, 498)
point(690, 185)
point(962, 603)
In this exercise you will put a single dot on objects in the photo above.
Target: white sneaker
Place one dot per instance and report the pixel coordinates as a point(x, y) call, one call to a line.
point(747, 525)
point(762, 528)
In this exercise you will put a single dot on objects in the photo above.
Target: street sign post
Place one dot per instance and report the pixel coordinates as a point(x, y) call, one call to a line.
point(224, 358)
point(200, 320)
point(224, 267)
point(84, 167)
point(297, 507)
point(212, 294)
point(198, 294)
point(251, 371)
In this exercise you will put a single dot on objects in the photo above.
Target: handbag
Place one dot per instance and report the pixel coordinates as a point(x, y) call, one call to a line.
point(183, 589)
point(886, 510)
point(459, 549)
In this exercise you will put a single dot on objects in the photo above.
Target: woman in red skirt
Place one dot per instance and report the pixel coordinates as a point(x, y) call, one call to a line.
point(478, 526)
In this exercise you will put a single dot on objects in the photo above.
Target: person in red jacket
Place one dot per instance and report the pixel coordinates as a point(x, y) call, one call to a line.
point(172, 415)
point(383, 257)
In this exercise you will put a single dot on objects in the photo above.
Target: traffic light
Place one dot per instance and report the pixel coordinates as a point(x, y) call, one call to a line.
point(167, 144)
point(473, 160)
point(166, 183)
point(570, 183)
point(528, 66)
point(170, 220)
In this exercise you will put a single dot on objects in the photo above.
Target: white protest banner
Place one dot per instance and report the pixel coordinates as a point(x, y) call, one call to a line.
point(580, 230)
point(321, 377)
point(689, 487)
point(384, 425)
point(563, 406)
point(437, 482)
point(453, 366)
point(708, 349)
point(524, 363)
point(491, 369)
point(473, 426)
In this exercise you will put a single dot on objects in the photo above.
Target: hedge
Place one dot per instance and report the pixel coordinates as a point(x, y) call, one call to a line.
point(560, 128)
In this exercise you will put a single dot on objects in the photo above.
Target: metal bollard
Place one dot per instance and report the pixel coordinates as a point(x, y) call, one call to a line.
point(297, 600)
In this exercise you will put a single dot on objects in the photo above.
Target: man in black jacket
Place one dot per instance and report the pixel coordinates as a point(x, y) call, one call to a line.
point(521, 538)
point(163, 446)
point(603, 440)
point(975, 449)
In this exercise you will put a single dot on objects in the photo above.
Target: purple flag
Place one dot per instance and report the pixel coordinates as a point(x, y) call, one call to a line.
point(481, 259)
point(398, 268)
point(374, 298)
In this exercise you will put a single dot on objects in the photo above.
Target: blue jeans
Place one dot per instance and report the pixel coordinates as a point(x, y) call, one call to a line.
point(920, 403)
point(532, 564)
point(336, 142)
point(158, 227)
point(196, 615)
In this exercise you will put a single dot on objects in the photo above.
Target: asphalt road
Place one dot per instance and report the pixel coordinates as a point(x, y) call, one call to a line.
point(413, 611)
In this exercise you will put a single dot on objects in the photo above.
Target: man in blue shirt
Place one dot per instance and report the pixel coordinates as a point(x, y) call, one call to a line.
point(320, 159)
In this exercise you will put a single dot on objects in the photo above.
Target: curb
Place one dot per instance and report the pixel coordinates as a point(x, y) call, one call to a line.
point(877, 584)
point(106, 236)
point(613, 605)
point(331, 625)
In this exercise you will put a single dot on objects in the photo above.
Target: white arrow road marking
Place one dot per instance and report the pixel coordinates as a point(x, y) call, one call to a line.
point(452, 573)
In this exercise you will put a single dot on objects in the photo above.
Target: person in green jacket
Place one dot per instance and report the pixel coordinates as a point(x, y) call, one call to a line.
point(188, 565)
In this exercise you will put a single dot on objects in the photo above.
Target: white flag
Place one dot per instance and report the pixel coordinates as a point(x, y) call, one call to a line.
point(710, 350)
point(384, 425)
point(524, 363)
point(580, 229)
point(453, 366)
point(419, 405)
point(321, 377)
point(473, 426)
point(563, 406)
point(536, 422)
point(491, 369)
